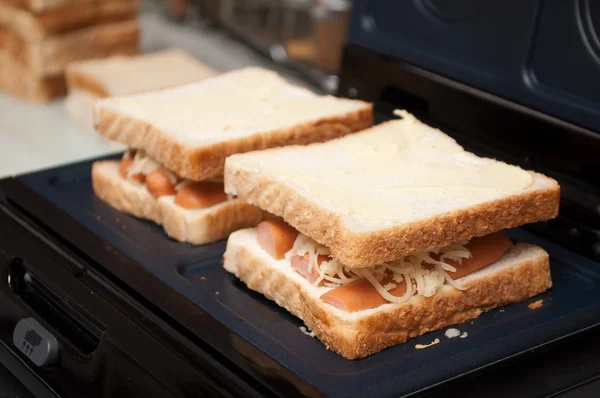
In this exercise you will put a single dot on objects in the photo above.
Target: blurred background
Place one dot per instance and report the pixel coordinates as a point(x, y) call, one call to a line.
point(300, 39)
point(306, 35)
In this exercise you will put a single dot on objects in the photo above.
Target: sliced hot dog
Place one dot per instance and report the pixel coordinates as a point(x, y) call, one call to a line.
point(124, 165)
point(276, 237)
point(199, 195)
point(361, 295)
point(484, 251)
point(159, 184)
point(300, 264)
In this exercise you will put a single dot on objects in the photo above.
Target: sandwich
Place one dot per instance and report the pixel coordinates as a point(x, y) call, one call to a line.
point(387, 234)
point(90, 80)
point(39, 39)
point(179, 139)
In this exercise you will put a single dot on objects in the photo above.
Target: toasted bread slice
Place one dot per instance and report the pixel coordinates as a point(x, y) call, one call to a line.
point(191, 129)
point(20, 82)
point(192, 226)
point(521, 273)
point(398, 188)
point(90, 80)
point(37, 24)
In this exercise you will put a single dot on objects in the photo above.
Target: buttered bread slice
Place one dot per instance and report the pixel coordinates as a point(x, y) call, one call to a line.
point(191, 129)
point(398, 188)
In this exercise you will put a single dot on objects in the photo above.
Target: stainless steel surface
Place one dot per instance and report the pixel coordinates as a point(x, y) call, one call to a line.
point(286, 31)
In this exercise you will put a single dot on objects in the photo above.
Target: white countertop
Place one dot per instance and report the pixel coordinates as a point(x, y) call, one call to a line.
point(34, 137)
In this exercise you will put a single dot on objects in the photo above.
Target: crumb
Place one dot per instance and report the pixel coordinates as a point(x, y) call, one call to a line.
point(464, 335)
point(452, 333)
point(421, 346)
point(307, 332)
point(217, 293)
point(536, 304)
point(98, 218)
point(124, 227)
point(502, 310)
point(202, 278)
point(118, 220)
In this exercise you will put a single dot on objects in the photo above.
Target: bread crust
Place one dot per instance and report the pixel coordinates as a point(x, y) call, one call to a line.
point(122, 195)
point(34, 71)
point(77, 80)
point(118, 76)
point(41, 5)
point(366, 249)
point(392, 324)
point(209, 161)
point(210, 226)
point(180, 224)
point(50, 57)
point(65, 17)
point(18, 81)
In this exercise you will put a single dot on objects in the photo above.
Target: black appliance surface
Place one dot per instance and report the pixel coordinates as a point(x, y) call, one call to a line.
point(443, 64)
point(542, 54)
point(254, 323)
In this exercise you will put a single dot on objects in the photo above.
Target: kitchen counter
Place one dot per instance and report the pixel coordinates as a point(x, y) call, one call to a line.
point(37, 136)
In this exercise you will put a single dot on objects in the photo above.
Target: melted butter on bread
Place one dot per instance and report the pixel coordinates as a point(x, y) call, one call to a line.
point(394, 173)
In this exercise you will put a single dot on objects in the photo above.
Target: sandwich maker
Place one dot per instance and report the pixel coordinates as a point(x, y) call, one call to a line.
point(96, 303)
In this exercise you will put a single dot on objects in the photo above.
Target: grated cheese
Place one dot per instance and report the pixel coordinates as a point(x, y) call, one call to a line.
point(421, 346)
point(143, 164)
point(452, 333)
point(426, 274)
point(307, 332)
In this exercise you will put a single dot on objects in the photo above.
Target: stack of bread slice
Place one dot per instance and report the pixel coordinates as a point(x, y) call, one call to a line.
point(39, 38)
point(90, 80)
point(387, 234)
point(179, 139)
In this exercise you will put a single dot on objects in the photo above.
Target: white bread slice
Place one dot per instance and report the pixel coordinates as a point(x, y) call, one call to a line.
point(523, 272)
point(191, 129)
point(80, 106)
point(207, 225)
point(395, 189)
point(49, 56)
point(34, 25)
point(141, 73)
point(20, 82)
point(91, 80)
point(192, 226)
point(123, 195)
point(44, 5)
